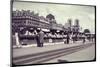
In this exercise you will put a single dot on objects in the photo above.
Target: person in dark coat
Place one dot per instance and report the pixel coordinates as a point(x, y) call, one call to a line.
point(41, 38)
point(68, 39)
point(37, 38)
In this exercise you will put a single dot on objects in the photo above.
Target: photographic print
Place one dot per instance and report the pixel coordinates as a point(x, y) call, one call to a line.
point(52, 33)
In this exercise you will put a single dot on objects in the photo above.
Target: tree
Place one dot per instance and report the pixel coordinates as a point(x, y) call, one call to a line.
point(50, 16)
point(86, 31)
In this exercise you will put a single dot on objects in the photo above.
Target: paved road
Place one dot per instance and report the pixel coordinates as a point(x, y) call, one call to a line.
point(46, 56)
point(87, 54)
point(32, 50)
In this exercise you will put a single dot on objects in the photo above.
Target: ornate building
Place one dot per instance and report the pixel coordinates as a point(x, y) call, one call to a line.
point(27, 20)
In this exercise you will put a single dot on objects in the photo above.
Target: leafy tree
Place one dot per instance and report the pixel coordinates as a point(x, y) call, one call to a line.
point(86, 31)
point(50, 16)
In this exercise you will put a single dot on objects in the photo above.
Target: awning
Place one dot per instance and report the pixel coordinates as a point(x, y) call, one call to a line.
point(46, 30)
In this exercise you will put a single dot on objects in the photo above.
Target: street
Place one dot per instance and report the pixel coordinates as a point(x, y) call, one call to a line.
point(83, 55)
point(54, 53)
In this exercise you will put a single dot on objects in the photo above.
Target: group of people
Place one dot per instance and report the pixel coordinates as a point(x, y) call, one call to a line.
point(39, 35)
point(75, 38)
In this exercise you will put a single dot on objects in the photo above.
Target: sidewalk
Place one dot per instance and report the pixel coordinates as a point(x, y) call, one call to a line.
point(33, 49)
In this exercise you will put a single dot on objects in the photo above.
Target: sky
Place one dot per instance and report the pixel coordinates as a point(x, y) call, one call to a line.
point(62, 12)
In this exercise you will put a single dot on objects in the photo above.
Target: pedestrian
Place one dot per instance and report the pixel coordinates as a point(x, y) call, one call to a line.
point(17, 40)
point(92, 37)
point(73, 37)
point(83, 37)
point(68, 38)
point(41, 38)
point(37, 37)
point(76, 37)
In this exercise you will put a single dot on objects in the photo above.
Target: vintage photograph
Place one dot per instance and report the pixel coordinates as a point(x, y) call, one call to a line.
point(50, 33)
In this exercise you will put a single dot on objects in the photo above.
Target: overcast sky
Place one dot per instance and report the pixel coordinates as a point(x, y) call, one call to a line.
point(85, 14)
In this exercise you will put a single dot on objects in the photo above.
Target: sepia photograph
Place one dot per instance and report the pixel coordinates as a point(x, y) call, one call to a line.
point(52, 33)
